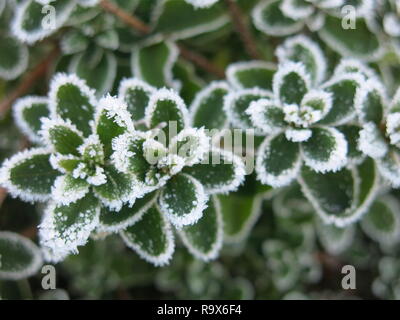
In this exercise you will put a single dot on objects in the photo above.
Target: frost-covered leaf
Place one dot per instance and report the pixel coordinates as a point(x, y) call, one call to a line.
point(202, 3)
point(183, 200)
point(291, 83)
point(335, 240)
point(29, 175)
point(13, 57)
point(30, 23)
point(351, 133)
point(389, 166)
point(278, 161)
point(62, 136)
point(74, 42)
point(108, 39)
point(204, 238)
point(302, 49)
point(251, 74)
point(136, 94)
point(111, 221)
point(343, 89)
point(117, 189)
point(165, 106)
point(19, 257)
point(207, 108)
point(266, 115)
point(297, 9)
point(269, 18)
point(357, 42)
point(111, 120)
point(179, 19)
point(186, 80)
point(99, 72)
point(238, 101)
point(341, 197)
point(71, 99)
point(153, 63)
point(382, 221)
point(372, 142)
point(151, 237)
point(325, 150)
point(371, 101)
point(67, 189)
point(65, 227)
point(191, 145)
point(220, 172)
point(27, 114)
point(350, 65)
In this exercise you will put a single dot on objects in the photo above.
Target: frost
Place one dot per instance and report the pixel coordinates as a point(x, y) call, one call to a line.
point(285, 51)
point(235, 68)
point(5, 178)
point(32, 267)
point(202, 3)
point(391, 24)
point(298, 135)
point(194, 214)
point(337, 157)
point(349, 65)
point(290, 9)
point(370, 86)
point(258, 112)
point(162, 259)
point(371, 141)
point(64, 193)
point(217, 245)
point(18, 111)
point(393, 128)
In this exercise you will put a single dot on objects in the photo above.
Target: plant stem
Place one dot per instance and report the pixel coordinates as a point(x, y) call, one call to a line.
point(28, 81)
point(242, 29)
point(144, 29)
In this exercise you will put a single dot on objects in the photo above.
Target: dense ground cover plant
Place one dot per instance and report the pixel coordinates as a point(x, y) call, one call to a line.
point(262, 136)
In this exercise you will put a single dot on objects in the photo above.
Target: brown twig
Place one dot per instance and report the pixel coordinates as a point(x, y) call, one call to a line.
point(144, 29)
point(28, 81)
point(242, 29)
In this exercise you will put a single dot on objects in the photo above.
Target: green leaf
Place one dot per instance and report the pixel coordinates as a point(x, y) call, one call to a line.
point(19, 257)
point(167, 110)
point(13, 57)
point(371, 102)
point(335, 240)
point(99, 72)
point(136, 94)
point(116, 190)
point(67, 189)
point(71, 99)
point(28, 112)
point(291, 83)
point(245, 75)
point(112, 119)
point(183, 200)
point(179, 20)
point(341, 197)
point(237, 102)
point(302, 49)
point(359, 42)
point(153, 63)
point(74, 42)
point(343, 89)
point(207, 108)
point(240, 212)
point(151, 237)
point(62, 136)
point(352, 134)
point(326, 150)
point(186, 79)
point(269, 18)
point(111, 221)
point(278, 161)
point(220, 172)
point(382, 221)
point(108, 39)
point(65, 227)
point(267, 116)
point(204, 238)
point(29, 175)
point(30, 23)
